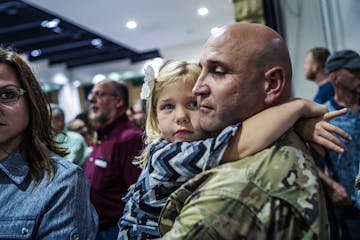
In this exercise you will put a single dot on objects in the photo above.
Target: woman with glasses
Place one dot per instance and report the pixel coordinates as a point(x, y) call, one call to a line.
point(42, 196)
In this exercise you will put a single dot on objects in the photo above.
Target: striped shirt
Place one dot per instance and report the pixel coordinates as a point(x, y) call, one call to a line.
point(168, 167)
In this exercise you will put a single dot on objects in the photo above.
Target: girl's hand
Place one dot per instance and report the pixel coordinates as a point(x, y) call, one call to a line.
point(319, 131)
point(311, 109)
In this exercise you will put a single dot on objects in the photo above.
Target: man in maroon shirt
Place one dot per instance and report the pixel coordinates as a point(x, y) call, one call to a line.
point(109, 166)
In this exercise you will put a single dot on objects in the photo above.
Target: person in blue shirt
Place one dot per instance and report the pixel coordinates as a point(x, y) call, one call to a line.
point(343, 68)
point(43, 196)
point(175, 150)
point(314, 68)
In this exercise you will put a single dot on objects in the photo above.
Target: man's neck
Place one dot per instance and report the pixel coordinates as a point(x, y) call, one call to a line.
point(109, 121)
point(321, 78)
point(348, 100)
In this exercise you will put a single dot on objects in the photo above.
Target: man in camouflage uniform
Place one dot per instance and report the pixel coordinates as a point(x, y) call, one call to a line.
point(274, 194)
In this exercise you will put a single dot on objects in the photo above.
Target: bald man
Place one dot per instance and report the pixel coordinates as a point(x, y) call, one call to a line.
point(274, 194)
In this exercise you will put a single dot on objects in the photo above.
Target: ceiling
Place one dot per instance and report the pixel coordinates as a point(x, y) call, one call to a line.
point(92, 31)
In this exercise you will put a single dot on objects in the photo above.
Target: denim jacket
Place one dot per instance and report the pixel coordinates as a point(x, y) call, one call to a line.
point(59, 209)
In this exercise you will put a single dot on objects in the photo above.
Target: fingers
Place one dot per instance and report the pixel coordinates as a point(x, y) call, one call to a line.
point(327, 130)
point(338, 131)
point(334, 145)
point(325, 133)
point(330, 115)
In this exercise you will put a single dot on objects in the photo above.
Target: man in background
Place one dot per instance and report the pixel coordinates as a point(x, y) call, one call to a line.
point(343, 68)
point(72, 141)
point(139, 113)
point(109, 166)
point(314, 70)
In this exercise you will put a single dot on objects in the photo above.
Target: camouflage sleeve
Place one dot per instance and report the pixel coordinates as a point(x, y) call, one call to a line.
point(273, 194)
point(211, 216)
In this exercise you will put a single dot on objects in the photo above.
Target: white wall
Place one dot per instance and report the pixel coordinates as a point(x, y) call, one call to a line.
point(309, 23)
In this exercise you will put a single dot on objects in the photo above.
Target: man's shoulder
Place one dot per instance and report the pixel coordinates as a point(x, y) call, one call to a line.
point(284, 170)
point(126, 131)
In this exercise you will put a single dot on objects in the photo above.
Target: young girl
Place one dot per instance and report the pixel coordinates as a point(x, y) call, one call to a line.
point(174, 151)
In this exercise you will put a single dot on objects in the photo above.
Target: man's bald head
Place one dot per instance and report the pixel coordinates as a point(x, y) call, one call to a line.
point(246, 68)
point(263, 47)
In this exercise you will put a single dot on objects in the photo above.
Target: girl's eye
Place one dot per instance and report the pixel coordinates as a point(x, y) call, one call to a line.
point(167, 107)
point(193, 104)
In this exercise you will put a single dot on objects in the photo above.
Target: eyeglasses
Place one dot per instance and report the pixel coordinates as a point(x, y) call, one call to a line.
point(11, 94)
point(100, 95)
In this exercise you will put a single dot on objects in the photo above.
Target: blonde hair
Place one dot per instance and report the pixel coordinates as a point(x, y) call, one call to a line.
point(171, 71)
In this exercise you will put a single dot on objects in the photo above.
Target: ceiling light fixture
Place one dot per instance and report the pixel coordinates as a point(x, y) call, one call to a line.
point(76, 83)
point(60, 78)
point(97, 42)
point(131, 24)
point(50, 24)
point(35, 53)
point(203, 11)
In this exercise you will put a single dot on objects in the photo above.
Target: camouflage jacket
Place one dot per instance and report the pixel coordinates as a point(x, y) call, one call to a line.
point(274, 194)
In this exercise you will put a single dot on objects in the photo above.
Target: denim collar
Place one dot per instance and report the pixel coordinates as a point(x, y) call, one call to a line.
point(335, 104)
point(15, 166)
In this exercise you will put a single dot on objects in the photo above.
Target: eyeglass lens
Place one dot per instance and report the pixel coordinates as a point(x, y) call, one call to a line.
point(10, 94)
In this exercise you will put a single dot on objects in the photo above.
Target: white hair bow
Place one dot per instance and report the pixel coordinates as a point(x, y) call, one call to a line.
point(149, 82)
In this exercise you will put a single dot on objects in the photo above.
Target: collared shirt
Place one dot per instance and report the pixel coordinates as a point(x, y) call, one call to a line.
point(110, 169)
point(274, 194)
point(169, 165)
point(325, 93)
point(345, 166)
point(59, 209)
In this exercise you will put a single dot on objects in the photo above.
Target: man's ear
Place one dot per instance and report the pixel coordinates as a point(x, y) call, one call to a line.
point(120, 102)
point(274, 85)
point(315, 67)
point(333, 77)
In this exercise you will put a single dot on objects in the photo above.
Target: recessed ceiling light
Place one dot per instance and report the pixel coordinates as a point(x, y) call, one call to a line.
point(131, 24)
point(35, 53)
point(203, 11)
point(50, 23)
point(97, 42)
point(76, 83)
point(60, 78)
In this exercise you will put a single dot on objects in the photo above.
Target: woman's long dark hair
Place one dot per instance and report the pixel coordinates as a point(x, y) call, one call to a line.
point(39, 136)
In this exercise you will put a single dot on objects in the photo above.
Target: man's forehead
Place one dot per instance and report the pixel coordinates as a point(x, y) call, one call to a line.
point(211, 53)
point(353, 71)
point(103, 85)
